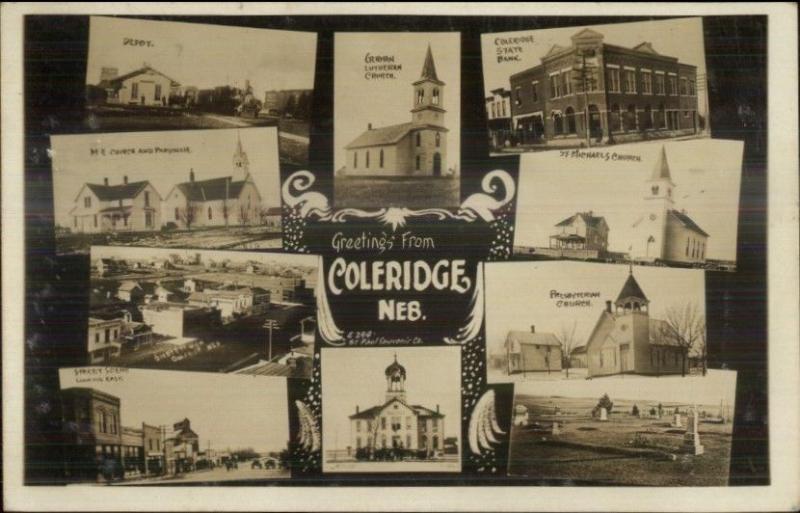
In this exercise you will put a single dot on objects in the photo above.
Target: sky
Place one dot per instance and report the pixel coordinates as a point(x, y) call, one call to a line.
point(225, 410)
point(355, 376)
point(706, 172)
point(716, 386)
point(143, 253)
point(210, 156)
point(681, 38)
point(518, 295)
point(358, 101)
point(204, 56)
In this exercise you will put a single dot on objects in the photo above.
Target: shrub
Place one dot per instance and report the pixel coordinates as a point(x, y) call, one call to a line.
point(635, 411)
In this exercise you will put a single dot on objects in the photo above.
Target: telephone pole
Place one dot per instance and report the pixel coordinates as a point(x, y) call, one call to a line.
point(271, 325)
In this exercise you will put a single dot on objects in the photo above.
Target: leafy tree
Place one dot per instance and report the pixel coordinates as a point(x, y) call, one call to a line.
point(635, 411)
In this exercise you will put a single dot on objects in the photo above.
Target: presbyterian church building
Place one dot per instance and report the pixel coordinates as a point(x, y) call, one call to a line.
point(415, 148)
point(397, 423)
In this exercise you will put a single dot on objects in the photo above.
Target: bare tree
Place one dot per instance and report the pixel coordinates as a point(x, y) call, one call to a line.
point(686, 325)
point(566, 338)
point(187, 215)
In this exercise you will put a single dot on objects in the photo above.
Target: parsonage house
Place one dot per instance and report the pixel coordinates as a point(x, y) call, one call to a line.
point(144, 86)
point(626, 339)
point(664, 233)
point(415, 148)
point(583, 231)
point(138, 207)
point(126, 207)
point(397, 423)
point(529, 351)
point(629, 94)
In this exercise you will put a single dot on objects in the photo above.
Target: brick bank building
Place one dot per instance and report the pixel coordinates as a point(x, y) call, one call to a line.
point(630, 94)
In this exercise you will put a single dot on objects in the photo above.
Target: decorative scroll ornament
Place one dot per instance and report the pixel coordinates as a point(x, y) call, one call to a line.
point(326, 324)
point(309, 436)
point(483, 424)
point(475, 318)
point(309, 203)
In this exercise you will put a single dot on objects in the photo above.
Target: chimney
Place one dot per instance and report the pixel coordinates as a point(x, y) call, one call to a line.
point(105, 181)
point(125, 179)
point(533, 328)
point(356, 408)
point(191, 175)
point(369, 126)
point(608, 306)
point(437, 408)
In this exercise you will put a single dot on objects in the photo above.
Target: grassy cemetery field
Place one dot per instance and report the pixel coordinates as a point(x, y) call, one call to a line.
point(623, 450)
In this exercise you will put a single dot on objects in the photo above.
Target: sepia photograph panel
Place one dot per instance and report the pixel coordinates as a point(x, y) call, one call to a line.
point(213, 189)
point(217, 311)
point(632, 432)
point(141, 427)
point(577, 321)
point(397, 118)
point(161, 75)
point(595, 86)
point(669, 204)
point(391, 409)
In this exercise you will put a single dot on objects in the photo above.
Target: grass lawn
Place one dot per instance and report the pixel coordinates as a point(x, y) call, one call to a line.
point(534, 454)
point(415, 193)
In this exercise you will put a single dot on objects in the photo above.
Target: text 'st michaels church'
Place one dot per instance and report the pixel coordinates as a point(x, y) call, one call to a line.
point(416, 148)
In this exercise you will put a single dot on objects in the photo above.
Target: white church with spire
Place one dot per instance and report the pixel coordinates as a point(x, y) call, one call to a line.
point(232, 200)
point(663, 232)
point(396, 423)
point(414, 148)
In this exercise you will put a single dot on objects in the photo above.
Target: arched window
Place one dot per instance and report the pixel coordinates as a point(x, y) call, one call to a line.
point(616, 121)
point(571, 128)
point(381, 158)
point(558, 123)
point(177, 213)
point(418, 162)
point(420, 95)
point(438, 139)
point(436, 96)
point(367, 159)
point(630, 119)
point(210, 215)
point(355, 160)
point(654, 190)
point(419, 139)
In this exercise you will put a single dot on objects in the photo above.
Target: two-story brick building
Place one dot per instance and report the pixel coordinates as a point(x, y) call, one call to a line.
point(605, 93)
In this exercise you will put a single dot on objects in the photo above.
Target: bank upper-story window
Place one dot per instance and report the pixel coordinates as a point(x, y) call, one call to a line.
point(567, 80)
point(87, 201)
point(672, 84)
point(613, 78)
point(555, 85)
point(684, 86)
point(647, 82)
point(518, 95)
point(630, 80)
point(535, 90)
point(660, 83)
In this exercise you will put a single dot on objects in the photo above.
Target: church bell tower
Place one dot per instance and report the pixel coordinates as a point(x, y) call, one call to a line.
point(651, 229)
point(241, 165)
point(428, 95)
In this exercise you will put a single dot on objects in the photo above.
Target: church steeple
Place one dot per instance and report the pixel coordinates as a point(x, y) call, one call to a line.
point(395, 381)
point(631, 298)
point(241, 164)
point(660, 182)
point(428, 94)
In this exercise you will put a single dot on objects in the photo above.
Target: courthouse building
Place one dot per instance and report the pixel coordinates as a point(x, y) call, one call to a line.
point(630, 94)
point(397, 423)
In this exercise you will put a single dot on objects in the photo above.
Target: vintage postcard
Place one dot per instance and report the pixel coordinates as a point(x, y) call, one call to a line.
point(217, 311)
point(191, 189)
point(632, 432)
point(159, 75)
point(397, 119)
point(140, 427)
point(575, 320)
point(391, 409)
point(675, 204)
point(595, 86)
